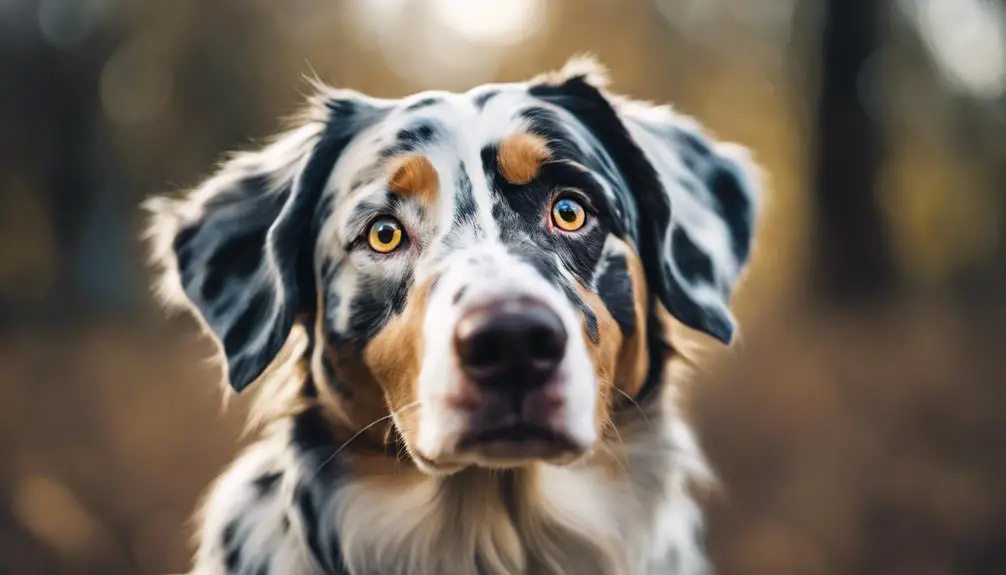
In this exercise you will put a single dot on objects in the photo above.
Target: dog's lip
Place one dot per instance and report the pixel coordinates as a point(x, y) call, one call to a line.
point(515, 432)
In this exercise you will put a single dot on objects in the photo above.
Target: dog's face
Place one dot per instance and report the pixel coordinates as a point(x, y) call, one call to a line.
point(484, 268)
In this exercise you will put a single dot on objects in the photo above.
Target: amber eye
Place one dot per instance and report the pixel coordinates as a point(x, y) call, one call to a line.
point(568, 214)
point(385, 235)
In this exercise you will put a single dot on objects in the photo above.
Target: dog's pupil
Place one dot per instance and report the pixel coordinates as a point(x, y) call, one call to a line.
point(386, 233)
point(567, 212)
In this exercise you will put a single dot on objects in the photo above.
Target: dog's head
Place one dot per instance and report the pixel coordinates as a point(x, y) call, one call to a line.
point(486, 267)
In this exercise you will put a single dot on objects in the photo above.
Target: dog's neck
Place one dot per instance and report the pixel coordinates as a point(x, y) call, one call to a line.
point(623, 510)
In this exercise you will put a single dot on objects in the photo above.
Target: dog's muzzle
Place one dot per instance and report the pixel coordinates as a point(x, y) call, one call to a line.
point(506, 377)
point(510, 351)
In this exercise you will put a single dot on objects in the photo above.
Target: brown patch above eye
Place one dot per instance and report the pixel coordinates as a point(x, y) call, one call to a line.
point(414, 176)
point(520, 157)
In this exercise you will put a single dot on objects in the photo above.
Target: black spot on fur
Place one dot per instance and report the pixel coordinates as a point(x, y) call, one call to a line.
point(230, 531)
point(544, 264)
point(371, 309)
point(700, 539)
point(367, 315)
point(418, 134)
point(464, 197)
point(614, 287)
point(231, 548)
point(423, 103)
point(258, 309)
point(308, 511)
point(547, 124)
point(490, 166)
point(398, 296)
point(482, 99)
point(692, 262)
point(724, 184)
point(735, 207)
point(265, 484)
point(326, 551)
point(695, 152)
point(312, 438)
point(410, 139)
point(233, 560)
point(311, 435)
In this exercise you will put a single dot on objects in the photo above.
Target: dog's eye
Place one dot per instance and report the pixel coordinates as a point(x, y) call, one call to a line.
point(385, 235)
point(568, 214)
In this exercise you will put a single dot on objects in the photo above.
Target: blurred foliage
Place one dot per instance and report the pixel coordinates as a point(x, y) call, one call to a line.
point(861, 444)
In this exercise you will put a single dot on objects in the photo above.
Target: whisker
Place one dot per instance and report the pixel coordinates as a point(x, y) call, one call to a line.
point(634, 403)
point(614, 428)
point(361, 432)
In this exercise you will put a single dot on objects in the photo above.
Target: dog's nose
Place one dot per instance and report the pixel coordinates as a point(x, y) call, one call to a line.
point(515, 344)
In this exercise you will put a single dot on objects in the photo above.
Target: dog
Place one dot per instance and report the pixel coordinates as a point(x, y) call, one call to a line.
point(456, 306)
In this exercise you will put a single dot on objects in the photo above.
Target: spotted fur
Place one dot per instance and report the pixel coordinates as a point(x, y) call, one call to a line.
point(359, 469)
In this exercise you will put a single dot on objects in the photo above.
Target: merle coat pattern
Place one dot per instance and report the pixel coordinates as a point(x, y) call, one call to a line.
point(333, 266)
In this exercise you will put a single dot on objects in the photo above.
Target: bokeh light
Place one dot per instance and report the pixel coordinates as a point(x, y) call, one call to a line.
point(967, 38)
point(490, 21)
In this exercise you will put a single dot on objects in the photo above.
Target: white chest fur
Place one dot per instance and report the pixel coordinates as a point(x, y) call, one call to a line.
point(627, 514)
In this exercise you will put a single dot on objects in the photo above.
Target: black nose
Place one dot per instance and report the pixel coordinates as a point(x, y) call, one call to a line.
point(516, 344)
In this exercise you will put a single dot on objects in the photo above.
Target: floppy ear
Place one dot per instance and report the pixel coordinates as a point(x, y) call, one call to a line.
point(688, 202)
point(238, 250)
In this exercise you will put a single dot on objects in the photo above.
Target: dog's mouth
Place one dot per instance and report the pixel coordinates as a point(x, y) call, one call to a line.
point(515, 440)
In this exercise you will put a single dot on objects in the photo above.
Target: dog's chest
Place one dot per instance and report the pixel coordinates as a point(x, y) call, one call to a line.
point(274, 513)
point(556, 520)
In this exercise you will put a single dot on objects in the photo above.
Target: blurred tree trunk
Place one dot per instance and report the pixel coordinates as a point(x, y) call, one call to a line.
point(980, 145)
point(852, 262)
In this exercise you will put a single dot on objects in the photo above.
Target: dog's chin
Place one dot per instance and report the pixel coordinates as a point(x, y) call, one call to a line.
point(503, 449)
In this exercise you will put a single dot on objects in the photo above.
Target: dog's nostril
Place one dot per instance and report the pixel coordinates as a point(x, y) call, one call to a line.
point(484, 351)
point(546, 346)
point(514, 344)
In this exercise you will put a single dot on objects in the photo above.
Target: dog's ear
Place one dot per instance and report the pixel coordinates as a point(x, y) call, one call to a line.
point(238, 250)
point(689, 203)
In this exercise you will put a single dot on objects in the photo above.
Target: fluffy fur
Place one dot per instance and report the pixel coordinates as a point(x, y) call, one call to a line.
point(362, 467)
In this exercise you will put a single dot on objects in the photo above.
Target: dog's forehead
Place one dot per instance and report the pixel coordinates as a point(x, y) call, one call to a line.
point(446, 127)
point(455, 132)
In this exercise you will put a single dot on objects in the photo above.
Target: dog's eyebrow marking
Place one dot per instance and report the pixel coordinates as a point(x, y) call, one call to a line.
point(414, 176)
point(520, 156)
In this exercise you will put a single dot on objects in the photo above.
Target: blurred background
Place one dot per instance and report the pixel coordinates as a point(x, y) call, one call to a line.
point(860, 425)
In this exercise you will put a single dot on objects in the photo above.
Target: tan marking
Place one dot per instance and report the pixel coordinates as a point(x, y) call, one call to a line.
point(394, 359)
point(520, 157)
point(414, 176)
point(620, 362)
point(603, 354)
point(634, 358)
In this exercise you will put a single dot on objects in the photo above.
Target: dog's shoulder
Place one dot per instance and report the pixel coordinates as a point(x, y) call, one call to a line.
point(250, 523)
